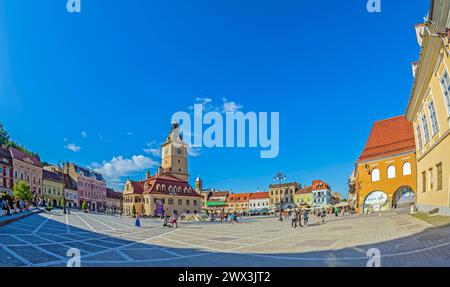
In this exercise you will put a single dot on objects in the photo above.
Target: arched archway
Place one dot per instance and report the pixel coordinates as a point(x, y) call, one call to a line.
point(403, 196)
point(375, 201)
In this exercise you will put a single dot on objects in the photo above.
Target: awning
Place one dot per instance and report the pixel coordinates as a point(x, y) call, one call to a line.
point(216, 203)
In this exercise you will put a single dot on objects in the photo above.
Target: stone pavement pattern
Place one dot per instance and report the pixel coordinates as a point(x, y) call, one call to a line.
point(43, 240)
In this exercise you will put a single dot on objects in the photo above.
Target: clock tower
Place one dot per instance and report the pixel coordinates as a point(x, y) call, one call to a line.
point(174, 154)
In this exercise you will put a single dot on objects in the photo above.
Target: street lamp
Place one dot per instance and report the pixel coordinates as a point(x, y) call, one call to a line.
point(280, 177)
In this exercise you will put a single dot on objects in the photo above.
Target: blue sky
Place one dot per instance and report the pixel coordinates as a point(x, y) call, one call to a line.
point(119, 70)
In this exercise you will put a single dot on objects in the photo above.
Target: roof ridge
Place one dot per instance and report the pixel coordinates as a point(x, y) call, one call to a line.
point(389, 119)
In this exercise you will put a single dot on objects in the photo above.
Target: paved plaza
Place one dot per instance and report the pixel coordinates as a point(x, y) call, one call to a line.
point(43, 240)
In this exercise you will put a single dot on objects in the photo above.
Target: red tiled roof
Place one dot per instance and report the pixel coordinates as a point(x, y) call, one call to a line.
point(389, 137)
point(259, 195)
point(238, 197)
point(20, 155)
point(138, 186)
point(182, 187)
point(110, 193)
point(219, 194)
point(319, 185)
point(305, 190)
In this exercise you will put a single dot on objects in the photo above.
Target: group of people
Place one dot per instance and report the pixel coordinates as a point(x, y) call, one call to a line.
point(113, 211)
point(170, 222)
point(230, 217)
point(11, 206)
point(297, 216)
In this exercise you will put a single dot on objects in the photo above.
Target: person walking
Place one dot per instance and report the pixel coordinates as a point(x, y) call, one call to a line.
point(324, 214)
point(137, 223)
point(165, 221)
point(305, 217)
point(293, 218)
point(174, 220)
point(299, 218)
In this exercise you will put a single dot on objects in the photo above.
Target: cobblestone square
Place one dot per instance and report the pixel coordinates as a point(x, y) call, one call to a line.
point(43, 240)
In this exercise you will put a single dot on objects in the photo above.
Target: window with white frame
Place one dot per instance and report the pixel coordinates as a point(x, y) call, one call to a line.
point(426, 132)
point(445, 85)
point(391, 171)
point(407, 168)
point(419, 136)
point(433, 116)
point(375, 174)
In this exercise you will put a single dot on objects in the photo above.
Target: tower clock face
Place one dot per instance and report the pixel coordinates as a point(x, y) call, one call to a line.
point(179, 150)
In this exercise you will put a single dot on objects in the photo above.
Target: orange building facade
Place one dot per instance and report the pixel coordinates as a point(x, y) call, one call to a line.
point(385, 172)
point(238, 202)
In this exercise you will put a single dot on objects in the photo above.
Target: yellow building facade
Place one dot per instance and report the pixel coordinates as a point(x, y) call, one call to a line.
point(303, 196)
point(386, 171)
point(283, 192)
point(53, 189)
point(429, 111)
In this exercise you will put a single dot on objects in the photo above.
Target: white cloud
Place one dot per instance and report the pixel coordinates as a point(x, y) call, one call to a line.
point(73, 147)
point(193, 151)
point(130, 134)
point(208, 105)
point(231, 106)
point(84, 134)
point(152, 149)
point(119, 166)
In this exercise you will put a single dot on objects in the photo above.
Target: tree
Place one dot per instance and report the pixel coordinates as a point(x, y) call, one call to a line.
point(20, 147)
point(8, 143)
point(4, 137)
point(84, 206)
point(22, 191)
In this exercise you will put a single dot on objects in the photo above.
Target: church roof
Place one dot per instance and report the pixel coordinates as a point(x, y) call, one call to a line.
point(389, 137)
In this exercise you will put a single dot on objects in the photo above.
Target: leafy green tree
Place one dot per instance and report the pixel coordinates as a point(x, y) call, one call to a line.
point(21, 148)
point(6, 140)
point(4, 137)
point(22, 191)
point(84, 206)
point(63, 202)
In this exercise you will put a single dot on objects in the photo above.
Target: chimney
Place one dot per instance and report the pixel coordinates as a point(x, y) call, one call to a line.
point(148, 175)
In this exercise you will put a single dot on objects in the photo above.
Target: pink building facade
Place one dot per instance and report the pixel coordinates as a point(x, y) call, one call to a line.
point(91, 186)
